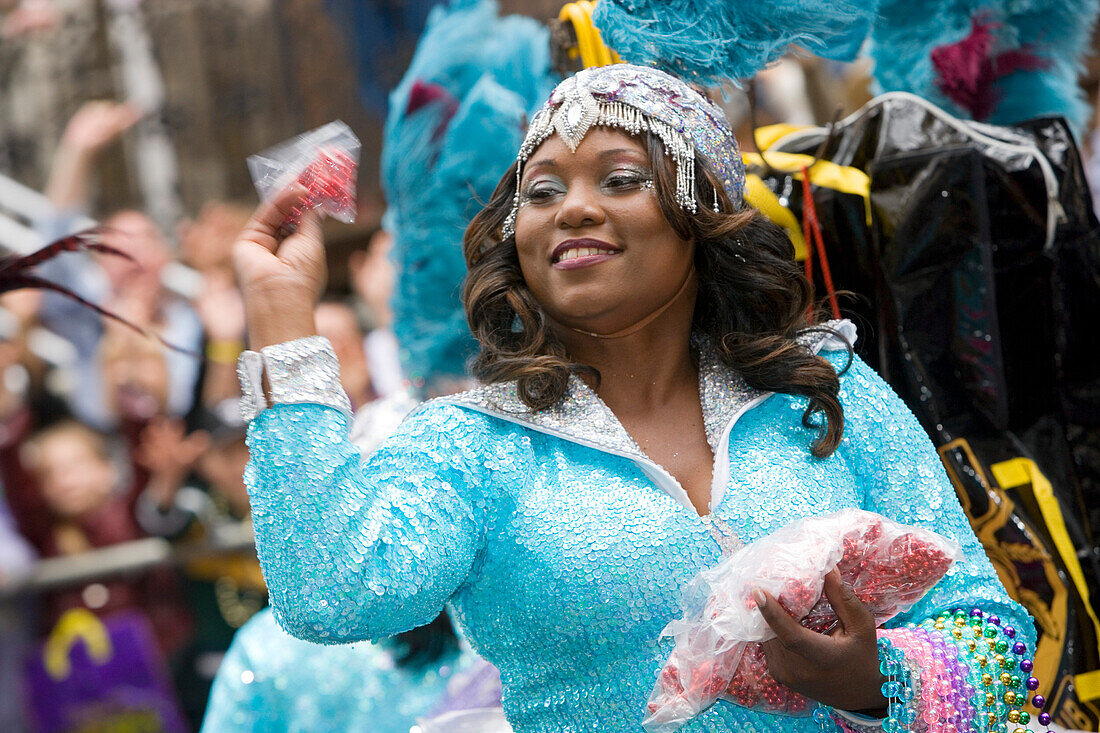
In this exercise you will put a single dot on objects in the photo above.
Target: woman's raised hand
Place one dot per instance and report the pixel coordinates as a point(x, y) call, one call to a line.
point(840, 669)
point(280, 279)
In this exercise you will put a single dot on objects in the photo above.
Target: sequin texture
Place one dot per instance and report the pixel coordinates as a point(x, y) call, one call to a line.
point(299, 371)
point(563, 556)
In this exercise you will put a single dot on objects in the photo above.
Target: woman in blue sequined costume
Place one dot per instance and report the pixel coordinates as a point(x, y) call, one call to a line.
point(615, 281)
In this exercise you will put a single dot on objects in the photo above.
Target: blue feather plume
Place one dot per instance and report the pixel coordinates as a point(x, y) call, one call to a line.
point(713, 41)
point(456, 121)
point(1056, 32)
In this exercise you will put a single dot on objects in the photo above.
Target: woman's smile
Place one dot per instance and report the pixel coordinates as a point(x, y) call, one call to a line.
point(575, 253)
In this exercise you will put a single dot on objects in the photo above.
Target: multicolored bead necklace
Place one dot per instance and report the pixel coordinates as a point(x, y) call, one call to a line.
point(955, 673)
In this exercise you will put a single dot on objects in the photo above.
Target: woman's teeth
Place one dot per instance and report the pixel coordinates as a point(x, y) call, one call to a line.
point(572, 254)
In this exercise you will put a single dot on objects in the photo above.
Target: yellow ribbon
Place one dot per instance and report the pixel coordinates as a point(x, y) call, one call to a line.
point(768, 135)
point(1018, 473)
point(764, 200)
point(79, 624)
point(824, 173)
point(593, 51)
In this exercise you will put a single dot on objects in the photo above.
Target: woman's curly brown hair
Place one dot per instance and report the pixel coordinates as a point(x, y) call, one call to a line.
point(753, 301)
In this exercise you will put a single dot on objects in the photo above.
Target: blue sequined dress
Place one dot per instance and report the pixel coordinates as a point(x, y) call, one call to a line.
point(561, 547)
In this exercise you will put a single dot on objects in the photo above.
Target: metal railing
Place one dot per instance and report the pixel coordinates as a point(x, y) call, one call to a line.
point(124, 559)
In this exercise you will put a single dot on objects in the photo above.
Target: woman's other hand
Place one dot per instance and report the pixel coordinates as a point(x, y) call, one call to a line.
point(280, 279)
point(840, 669)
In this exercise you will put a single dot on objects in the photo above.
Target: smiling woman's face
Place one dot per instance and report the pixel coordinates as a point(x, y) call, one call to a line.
point(594, 246)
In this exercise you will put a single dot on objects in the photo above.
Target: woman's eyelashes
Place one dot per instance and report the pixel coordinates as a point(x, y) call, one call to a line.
point(628, 179)
point(544, 190)
point(541, 190)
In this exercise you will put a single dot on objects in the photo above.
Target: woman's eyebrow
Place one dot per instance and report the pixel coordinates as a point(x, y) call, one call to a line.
point(619, 151)
point(603, 155)
point(541, 163)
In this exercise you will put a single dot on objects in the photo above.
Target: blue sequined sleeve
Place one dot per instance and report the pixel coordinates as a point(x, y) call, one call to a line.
point(903, 478)
point(353, 551)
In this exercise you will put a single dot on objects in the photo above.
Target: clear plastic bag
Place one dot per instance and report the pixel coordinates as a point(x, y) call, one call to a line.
point(325, 161)
point(718, 652)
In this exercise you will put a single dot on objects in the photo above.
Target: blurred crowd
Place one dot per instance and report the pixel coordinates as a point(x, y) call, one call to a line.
point(115, 432)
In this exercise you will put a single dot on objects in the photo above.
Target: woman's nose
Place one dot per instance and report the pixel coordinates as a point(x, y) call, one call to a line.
point(580, 207)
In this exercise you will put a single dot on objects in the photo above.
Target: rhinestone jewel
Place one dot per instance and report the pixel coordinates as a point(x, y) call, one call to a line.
point(575, 116)
point(637, 99)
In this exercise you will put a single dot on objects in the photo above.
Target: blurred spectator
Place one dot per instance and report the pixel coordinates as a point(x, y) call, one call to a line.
point(336, 321)
point(372, 274)
point(376, 415)
point(372, 280)
point(131, 288)
point(63, 486)
point(71, 490)
point(134, 372)
point(23, 17)
point(223, 462)
point(202, 489)
point(16, 554)
point(221, 310)
point(206, 240)
point(16, 558)
point(168, 453)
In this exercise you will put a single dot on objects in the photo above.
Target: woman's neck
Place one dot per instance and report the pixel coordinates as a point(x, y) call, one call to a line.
point(642, 370)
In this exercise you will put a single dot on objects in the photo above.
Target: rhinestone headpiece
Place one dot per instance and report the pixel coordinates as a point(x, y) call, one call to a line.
point(638, 99)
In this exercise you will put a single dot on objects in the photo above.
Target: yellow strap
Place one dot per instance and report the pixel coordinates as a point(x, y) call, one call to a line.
point(766, 136)
point(824, 173)
point(593, 51)
point(1022, 471)
point(573, 13)
point(79, 624)
point(761, 198)
point(1087, 685)
point(607, 56)
point(602, 52)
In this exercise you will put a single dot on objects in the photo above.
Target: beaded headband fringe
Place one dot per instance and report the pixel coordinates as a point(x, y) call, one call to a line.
point(637, 99)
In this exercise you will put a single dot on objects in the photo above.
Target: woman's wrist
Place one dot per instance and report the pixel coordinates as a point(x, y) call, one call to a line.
point(271, 323)
point(224, 351)
point(867, 698)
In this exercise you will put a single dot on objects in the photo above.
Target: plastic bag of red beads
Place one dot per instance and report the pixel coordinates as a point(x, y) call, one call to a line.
point(325, 161)
point(718, 652)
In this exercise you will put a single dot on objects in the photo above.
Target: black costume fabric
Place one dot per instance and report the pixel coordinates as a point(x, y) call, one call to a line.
point(977, 286)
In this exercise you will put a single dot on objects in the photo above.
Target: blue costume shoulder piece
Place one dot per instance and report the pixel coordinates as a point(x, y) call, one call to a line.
point(270, 681)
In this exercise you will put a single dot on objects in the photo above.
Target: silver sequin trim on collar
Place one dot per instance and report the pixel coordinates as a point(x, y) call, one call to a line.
point(583, 417)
